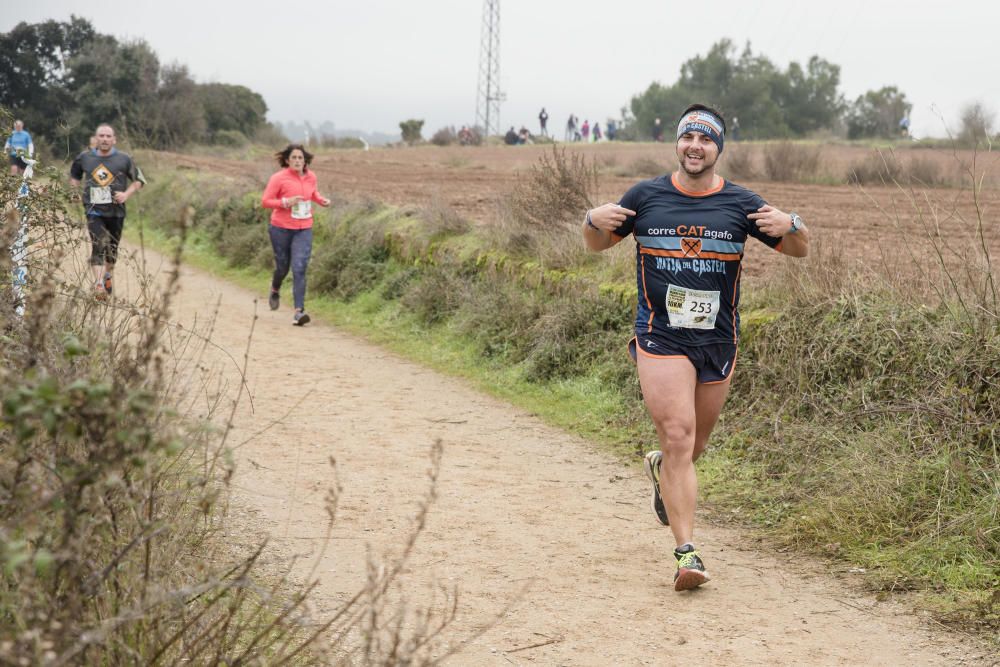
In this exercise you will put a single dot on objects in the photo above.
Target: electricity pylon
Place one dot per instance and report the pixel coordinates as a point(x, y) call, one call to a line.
point(489, 96)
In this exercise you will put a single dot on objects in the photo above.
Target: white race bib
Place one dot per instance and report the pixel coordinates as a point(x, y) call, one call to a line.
point(302, 210)
point(100, 195)
point(692, 309)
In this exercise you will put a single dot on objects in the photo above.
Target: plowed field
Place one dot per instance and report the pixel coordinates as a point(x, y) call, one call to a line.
point(886, 228)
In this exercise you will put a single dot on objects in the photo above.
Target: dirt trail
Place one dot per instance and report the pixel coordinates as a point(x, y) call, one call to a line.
point(526, 515)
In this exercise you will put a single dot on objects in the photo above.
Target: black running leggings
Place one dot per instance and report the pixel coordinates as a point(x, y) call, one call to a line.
point(105, 233)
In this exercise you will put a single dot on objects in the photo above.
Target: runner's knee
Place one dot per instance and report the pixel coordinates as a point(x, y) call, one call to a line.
point(281, 263)
point(677, 437)
point(299, 266)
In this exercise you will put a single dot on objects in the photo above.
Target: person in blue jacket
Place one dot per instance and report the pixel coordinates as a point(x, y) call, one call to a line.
point(18, 147)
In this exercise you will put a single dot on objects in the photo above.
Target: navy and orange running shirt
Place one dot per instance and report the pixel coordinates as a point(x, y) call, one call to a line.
point(689, 249)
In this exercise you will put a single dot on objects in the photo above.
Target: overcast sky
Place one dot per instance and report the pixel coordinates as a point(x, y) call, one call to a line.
point(368, 64)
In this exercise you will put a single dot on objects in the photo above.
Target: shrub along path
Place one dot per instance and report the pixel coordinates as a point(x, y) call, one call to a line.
point(526, 516)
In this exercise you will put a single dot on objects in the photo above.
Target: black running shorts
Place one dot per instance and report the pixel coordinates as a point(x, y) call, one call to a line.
point(714, 362)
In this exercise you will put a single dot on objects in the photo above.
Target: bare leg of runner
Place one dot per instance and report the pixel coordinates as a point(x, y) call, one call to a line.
point(684, 413)
point(668, 388)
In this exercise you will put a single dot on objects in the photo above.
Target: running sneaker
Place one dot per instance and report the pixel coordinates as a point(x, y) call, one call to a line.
point(274, 300)
point(652, 465)
point(107, 282)
point(99, 292)
point(301, 318)
point(690, 569)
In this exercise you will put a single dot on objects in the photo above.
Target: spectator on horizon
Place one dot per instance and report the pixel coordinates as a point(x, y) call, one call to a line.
point(612, 129)
point(597, 132)
point(585, 130)
point(543, 118)
point(571, 128)
point(511, 137)
point(657, 130)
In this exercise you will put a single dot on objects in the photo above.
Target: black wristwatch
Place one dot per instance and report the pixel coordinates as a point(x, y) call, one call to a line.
point(796, 223)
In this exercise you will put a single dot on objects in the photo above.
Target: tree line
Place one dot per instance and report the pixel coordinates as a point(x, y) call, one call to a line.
point(770, 102)
point(63, 78)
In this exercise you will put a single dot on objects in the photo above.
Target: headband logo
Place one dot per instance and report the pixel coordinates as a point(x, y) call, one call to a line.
point(702, 121)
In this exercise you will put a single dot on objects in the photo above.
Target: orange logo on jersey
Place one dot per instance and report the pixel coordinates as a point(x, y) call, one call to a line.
point(691, 247)
point(102, 176)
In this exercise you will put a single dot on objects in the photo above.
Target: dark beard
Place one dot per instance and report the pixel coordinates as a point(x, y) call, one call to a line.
point(705, 165)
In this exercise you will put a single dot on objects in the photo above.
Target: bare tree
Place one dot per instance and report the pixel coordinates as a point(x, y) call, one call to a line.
point(978, 123)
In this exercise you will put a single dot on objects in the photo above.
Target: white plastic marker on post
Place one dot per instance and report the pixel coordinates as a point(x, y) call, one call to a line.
point(19, 249)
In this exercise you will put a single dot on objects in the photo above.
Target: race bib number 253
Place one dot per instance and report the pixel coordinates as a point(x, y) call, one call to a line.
point(692, 309)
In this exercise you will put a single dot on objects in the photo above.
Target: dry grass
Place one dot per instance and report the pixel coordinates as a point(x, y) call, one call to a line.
point(739, 163)
point(895, 168)
point(441, 219)
point(642, 167)
point(554, 191)
point(787, 161)
point(540, 217)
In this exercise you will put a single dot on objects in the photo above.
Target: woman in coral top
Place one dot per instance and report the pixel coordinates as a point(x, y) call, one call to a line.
point(291, 192)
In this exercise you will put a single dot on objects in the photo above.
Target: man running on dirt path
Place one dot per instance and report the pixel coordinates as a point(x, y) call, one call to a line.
point(110, 178)
point(690, 228)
